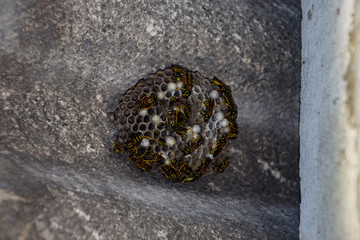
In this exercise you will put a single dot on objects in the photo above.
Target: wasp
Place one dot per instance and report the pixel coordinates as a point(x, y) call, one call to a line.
point(185, 171)
point(176, 163)
point(175, 118)
point(219, 168)
point(204, 166)
point(117, 148)
point(146, 102)
point(146, 160)
point(189, 83)
point(134, 141)
point(155, 157)
point(220, 144)
point(181, 131)
point(170, 172)
point(209, 108)
point(134, 154)
point(177, 72)
point(220, 84)
point(185, 108)
point(233, 130)
point(229, 101)
point(232, 114)
point(143, 165)
point(161, 142)
point(226, 93)
point(193, 145)
point(182, 175)
point(202, 169)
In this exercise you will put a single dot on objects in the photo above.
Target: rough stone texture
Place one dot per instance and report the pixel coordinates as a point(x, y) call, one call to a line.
point(64, 64)
point(330, 120)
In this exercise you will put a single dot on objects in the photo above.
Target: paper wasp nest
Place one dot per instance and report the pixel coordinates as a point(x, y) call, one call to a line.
point(177, 122)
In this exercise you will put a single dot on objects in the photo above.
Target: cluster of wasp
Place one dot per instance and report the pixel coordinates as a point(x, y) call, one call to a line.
point(177, 122)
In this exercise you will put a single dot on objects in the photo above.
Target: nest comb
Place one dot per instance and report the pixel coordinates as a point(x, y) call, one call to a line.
point(177, 122)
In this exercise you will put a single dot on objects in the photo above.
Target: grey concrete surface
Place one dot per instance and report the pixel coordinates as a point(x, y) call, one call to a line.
point(330, 120)
point(64, 64)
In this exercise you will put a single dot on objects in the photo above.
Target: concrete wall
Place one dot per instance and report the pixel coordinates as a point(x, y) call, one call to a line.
point(330, 117)
point(65, 63)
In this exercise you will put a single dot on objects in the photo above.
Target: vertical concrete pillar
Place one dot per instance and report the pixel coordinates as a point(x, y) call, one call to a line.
point(330, 120)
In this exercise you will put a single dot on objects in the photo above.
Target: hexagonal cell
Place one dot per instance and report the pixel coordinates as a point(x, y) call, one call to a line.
point(134, 97)
point(147, 119)
point(127, 126)
point(122, 106)
point(164, 87)
point(157, 148)
point(131, 119)
point(127, 98)
point(139, 119)
point(211, 125)
point(150, 111)
point(151, 126)
point(122, 119)
point(150, 82)
point(138, 91)
point(169, 94)
point(130, 104)
point(209, 134)
point(164, 133)
point(143, 127)
point(158, 81)
point(126, 112)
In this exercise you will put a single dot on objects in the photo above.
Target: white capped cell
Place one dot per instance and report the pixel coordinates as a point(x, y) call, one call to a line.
point(226, 130)
point(170, 141)
point(143, 112)
point(214, 94)
point(156, 119)
point(145, 143)
point(167, 161)
point(196, 129)
point(172, 86)
point(161, 95)
point(225, 123)
point(210, 156)
point(180, 84)
point(219, 116)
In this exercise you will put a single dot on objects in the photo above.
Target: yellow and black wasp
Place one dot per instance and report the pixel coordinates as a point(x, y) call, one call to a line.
point(220, 144)
point(204, 166)
point(219, 168)
point(177, 72)
point(226, 93)
point(134, 141)
point(143, 164)
point(192, 146)
point(170, 172)
point(209, 108)
point(146, 102)
point(233, 130)
point(161, 142)
point(185, 108)
point(117, 148)
point(189, 83)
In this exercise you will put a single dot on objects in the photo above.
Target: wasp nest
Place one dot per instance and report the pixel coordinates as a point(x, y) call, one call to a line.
point(177, 122)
